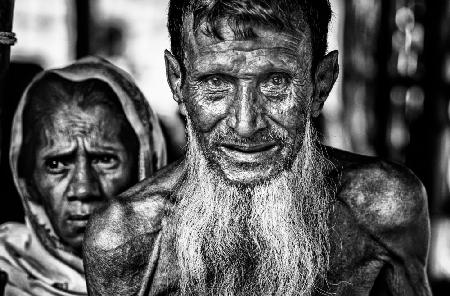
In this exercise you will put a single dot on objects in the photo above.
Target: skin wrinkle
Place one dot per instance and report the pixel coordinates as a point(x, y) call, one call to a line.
point(78, 124)
point(231, 261)
point(198, 43)
point(277, 217)
point(264, 60)
point(245, 70)
point(299, 79)
point(70, 175)
point(280, 48)
point(232, 98)
point(298, 82)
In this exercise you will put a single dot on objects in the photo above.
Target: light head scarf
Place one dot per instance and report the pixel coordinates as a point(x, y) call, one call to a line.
point(33, 255)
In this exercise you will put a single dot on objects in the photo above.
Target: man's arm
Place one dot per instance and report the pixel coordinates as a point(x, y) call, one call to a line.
point(408, 242)
point(390, 203)
point(120, 247)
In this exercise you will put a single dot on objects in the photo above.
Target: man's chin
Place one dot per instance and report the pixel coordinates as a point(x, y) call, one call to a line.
point(249, 175)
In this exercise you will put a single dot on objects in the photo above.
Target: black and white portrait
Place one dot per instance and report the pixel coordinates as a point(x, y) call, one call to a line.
point(225, 147)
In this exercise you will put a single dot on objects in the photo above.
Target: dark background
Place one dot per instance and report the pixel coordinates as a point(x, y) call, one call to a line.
point(391, 100)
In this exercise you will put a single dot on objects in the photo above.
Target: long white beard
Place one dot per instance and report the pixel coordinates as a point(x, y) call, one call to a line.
point(267, 239)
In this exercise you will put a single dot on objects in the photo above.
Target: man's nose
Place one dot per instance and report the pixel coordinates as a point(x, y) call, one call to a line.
point(84, 183)
point(247, 117)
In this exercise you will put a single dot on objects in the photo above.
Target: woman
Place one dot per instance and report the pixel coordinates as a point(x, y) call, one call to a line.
point(81, 135)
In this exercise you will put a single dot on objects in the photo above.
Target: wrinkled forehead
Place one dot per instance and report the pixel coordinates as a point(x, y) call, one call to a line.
point(97, 121)
point(200, 41)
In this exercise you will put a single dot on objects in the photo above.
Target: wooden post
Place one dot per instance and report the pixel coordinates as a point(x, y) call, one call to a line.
point(6, 18)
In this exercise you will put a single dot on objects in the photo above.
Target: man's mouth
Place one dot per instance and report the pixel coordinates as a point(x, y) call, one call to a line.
point(254, 152)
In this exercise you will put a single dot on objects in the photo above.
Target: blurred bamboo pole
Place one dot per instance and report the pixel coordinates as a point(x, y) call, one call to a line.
point(6, 22)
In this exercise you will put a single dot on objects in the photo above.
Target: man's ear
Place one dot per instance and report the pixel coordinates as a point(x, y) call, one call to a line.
point(325, 76)
point(174, 78)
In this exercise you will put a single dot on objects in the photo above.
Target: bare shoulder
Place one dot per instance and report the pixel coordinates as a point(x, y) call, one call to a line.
point(388, 204)
point(383, 196)
point(136, 212)
point(122, 237)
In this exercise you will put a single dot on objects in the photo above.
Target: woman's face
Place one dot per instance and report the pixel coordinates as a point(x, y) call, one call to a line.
point(80, 164)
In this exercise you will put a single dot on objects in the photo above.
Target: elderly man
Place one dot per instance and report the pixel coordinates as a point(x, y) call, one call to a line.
point(258, 206)
point(81, 135)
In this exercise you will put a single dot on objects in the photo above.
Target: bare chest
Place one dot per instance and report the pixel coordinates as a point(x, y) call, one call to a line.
point(355, 261)
point(355, 256)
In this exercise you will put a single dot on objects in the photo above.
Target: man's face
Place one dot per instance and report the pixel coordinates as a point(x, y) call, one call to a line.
point(248, 99)
point(80, 163)
point(248, 104)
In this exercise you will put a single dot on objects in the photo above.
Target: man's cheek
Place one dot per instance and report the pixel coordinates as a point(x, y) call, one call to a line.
point(288, 115)
point(205, 112)
point(301, 93)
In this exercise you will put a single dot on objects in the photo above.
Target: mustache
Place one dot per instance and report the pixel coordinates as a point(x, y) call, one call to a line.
point(268, 239)
point(228, 136)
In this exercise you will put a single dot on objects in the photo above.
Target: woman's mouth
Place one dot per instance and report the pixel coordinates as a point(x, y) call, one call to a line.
point(79, 219)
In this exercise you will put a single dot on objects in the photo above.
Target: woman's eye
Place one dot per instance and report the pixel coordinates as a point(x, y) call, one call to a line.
point(106, 161)
point(103, 159)
point(55, 166)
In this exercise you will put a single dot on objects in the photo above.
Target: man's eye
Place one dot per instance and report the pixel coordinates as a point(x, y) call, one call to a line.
point(55, 166)
point(276, 82)
point(105, 161)
point(216, 82)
